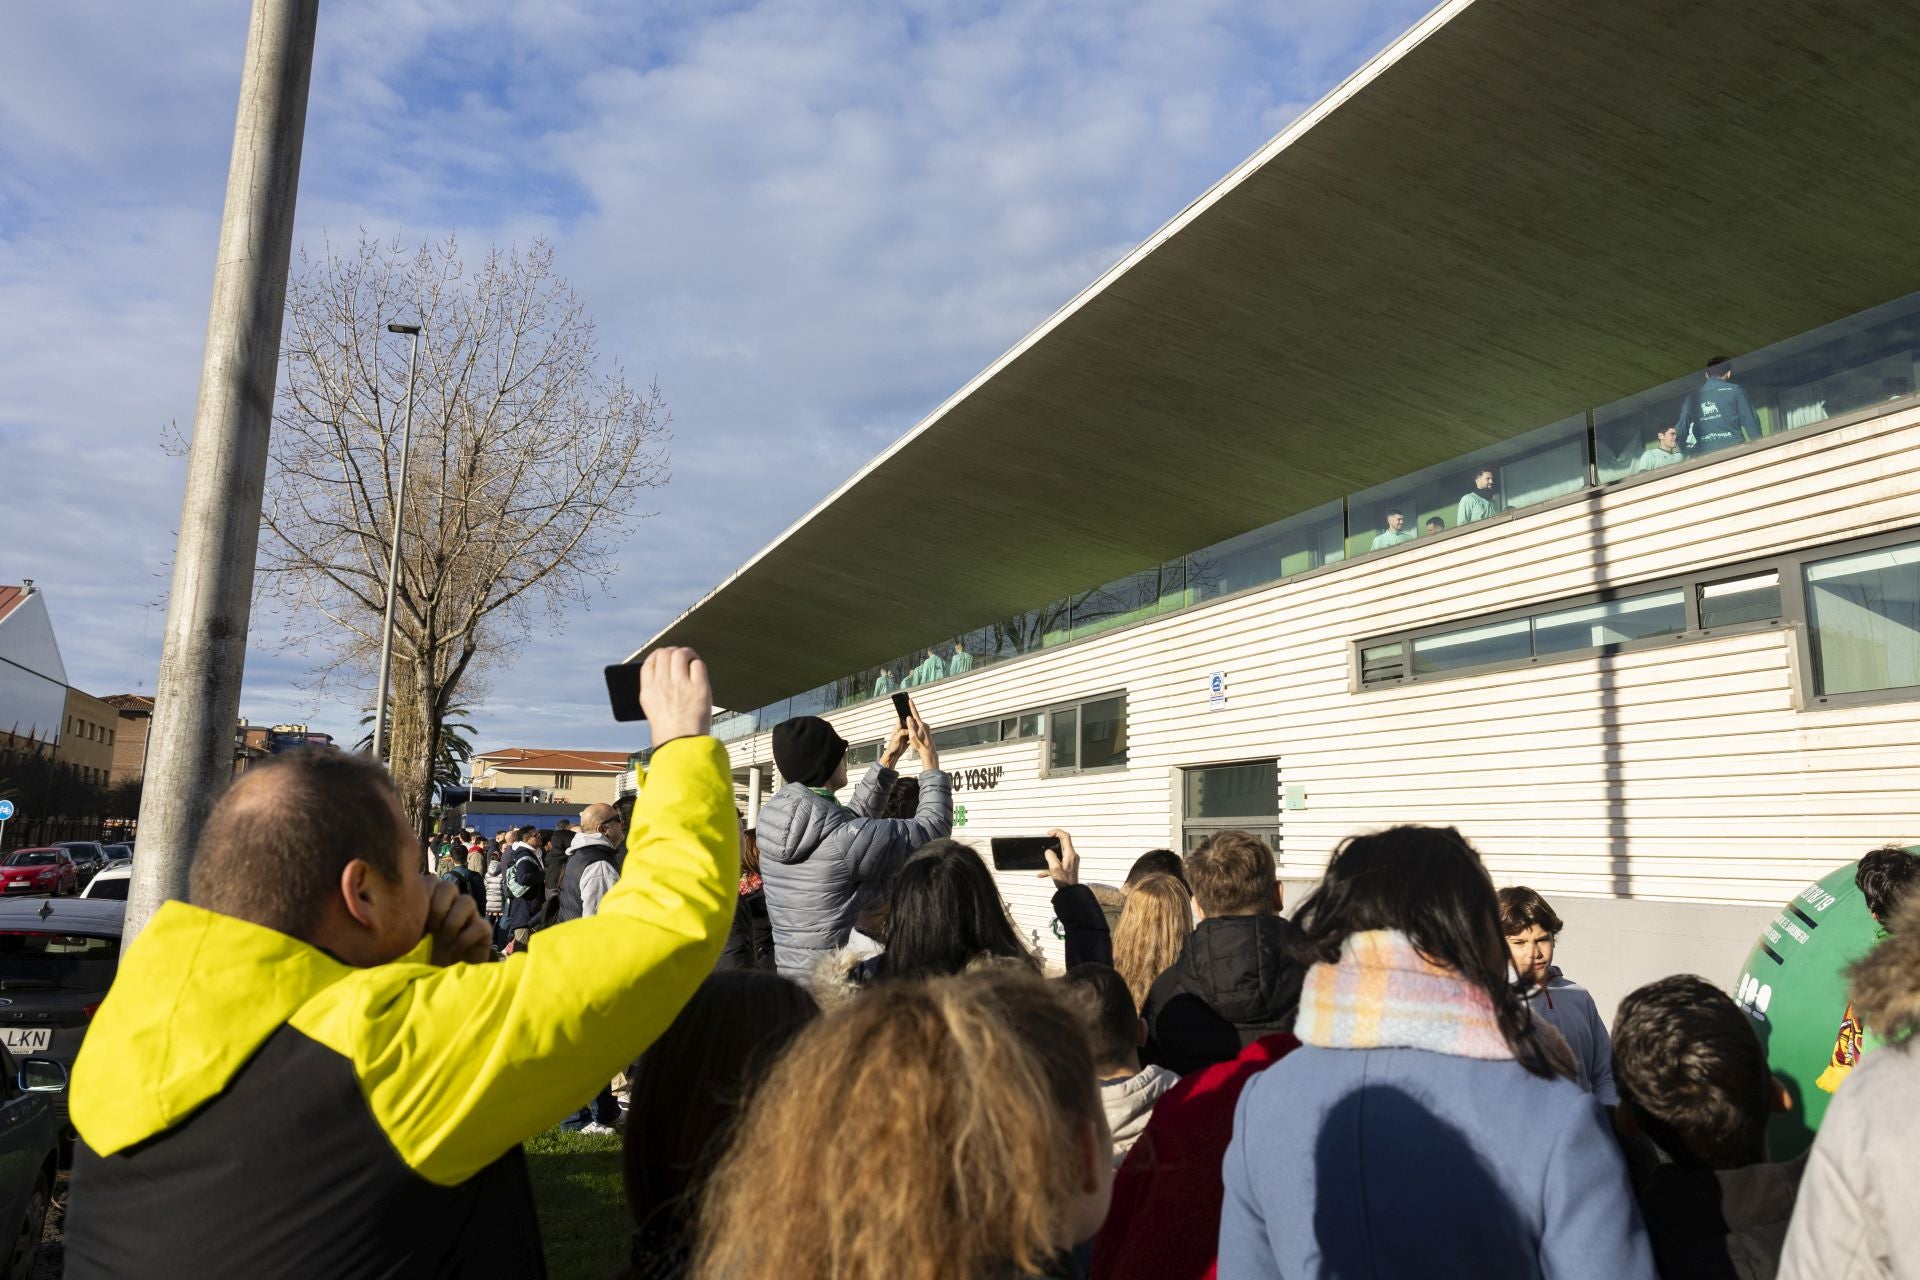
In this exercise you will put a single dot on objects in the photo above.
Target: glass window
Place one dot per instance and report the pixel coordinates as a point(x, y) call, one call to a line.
point(60, 961)
point(1063, 754)
point(114, 890)
point(1521, 472)
point(1473, 647)
point(1033, 724)
point(1145, 594)
point(1103, 734)
point(978, 734)
point(863, 753)
point(1194, 837)
point(1863, 617)
point(1754, 599)
point(1232, 791)
point(1383, 663)
point(1610, 622)
point(1267, 554)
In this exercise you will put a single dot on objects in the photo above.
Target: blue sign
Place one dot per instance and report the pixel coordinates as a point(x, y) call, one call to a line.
point(6, 810)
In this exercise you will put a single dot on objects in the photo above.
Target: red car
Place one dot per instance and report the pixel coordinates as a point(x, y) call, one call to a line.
point(50, 871)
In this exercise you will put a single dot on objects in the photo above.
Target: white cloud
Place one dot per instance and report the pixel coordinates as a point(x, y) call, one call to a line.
point(812, 222)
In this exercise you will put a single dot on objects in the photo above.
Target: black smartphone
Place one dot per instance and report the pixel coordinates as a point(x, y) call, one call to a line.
point(1023, 853)
point(902, 708)
point(623, 691)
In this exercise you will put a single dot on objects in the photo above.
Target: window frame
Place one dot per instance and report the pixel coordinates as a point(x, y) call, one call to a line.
point(1187, 825)
point(1793, 596)
point(1078, 707)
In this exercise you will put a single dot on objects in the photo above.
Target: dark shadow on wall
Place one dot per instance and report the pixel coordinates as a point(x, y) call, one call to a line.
point(1400, 1192)
point(1619, 876)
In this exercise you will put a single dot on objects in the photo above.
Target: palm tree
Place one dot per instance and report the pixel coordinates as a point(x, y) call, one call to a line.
point(456, 747)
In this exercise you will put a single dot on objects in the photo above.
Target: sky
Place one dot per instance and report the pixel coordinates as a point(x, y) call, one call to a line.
point(808, 222)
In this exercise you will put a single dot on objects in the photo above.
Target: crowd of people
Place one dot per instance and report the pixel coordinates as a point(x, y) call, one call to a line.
point(840, 1059)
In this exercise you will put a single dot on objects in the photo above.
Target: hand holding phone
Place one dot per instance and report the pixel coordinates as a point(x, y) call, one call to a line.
point(1022, 853)
point(903, 707)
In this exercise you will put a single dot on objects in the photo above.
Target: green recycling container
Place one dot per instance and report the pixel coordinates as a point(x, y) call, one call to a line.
point(1794, 988)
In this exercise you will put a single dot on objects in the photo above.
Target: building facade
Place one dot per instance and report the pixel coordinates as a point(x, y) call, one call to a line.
point(1457, 459)
point(33, 679)
point(568, 777)
point(133, 716)
point(88, 737)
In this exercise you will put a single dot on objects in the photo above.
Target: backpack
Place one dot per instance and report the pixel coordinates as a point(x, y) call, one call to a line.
point(519, 882)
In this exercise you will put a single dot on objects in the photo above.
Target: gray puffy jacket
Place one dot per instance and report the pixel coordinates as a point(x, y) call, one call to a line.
point(822, 860)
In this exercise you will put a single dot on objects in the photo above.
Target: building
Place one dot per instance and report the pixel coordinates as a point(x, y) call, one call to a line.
point(1215, 554)
point(88, 737)
point(133, 718)
point(33, 679)
point(568, 777)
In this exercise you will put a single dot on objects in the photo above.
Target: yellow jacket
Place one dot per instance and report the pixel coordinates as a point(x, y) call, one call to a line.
point(454, 1066)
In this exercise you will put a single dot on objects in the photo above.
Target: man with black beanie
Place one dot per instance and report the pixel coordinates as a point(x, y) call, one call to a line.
point(821, 861)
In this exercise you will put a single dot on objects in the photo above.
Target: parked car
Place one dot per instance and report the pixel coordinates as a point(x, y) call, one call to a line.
point(88, 856)
point(57, 959)
point(110, 882)
point(47, 870)
point(117, 853)
point(29, 1156)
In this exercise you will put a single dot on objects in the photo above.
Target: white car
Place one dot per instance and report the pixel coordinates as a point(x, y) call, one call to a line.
point(110, 882)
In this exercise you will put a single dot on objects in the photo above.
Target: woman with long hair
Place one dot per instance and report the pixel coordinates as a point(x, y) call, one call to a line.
point(946, 913)
point(687, 1091)
point(940, 1130)
point(1427, 1126)
point(1153, 927)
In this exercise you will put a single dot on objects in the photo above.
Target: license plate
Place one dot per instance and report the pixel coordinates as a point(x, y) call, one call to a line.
point(26, 1039)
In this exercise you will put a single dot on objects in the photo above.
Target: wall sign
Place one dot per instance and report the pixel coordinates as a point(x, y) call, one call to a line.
point(1216, 690)
point(985, 778)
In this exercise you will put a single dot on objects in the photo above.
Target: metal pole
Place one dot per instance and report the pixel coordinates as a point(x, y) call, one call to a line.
point(393, 558)
point(203, 656)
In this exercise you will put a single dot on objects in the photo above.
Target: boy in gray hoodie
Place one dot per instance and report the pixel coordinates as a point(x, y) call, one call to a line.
point(1114, 1026)
point(1532, 928)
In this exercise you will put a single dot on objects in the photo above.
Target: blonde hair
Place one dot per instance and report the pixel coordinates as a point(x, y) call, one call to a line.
point(1153, 928)
point(970, 1096)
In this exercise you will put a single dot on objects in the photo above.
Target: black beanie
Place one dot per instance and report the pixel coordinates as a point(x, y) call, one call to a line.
point(807, 750)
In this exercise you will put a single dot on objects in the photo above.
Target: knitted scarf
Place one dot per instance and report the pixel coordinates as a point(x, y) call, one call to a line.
point(1383, 994)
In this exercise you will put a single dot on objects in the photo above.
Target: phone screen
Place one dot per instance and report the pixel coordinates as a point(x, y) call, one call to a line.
point(1022, 853)
point(623, 691)
point(901, 707)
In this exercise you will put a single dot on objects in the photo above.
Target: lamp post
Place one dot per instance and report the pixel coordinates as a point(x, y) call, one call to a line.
point(380, 751)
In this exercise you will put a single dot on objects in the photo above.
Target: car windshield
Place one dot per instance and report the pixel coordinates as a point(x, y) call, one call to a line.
point(56, 961)
point(34, 858)
point(114, 889)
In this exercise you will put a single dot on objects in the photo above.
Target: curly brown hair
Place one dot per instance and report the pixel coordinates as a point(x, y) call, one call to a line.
point(971, 1096)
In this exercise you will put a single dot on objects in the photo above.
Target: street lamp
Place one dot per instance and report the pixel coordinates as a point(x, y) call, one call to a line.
point(393, 558)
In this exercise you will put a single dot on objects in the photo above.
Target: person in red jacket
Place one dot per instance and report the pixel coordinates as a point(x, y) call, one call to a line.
point(1171, 1183)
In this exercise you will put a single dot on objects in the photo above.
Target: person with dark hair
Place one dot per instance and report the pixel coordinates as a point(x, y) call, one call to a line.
point(1717, 414)
point(1395, 533)
point(1885, 878)
point(688, 1090)
point(946, 914)
point(1156, 862)
point(903, 799)
point(822, 861)
point(1853, 1219)
point(1435, 525)
point(1116, 1031)
point(1663, 452)
point(526, 885)
point(1479, 502)
point(1426, 1125)
point(750, 941)
point(1237, 978)
point(1532, 929)
point(589, 872)
point(1694, 1082)
point(319, 1046)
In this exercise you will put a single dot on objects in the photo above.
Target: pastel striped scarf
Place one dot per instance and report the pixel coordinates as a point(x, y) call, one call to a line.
point(1383, 994)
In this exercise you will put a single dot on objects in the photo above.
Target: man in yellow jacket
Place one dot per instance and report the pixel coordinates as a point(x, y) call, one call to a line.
point(309, 1071)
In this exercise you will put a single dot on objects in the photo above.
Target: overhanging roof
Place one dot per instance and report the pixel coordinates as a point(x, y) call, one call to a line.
point(1521, 209)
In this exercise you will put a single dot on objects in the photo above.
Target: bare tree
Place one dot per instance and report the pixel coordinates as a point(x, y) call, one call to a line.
point(528, 458)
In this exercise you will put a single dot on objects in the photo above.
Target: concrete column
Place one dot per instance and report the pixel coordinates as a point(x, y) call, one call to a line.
point(197, 701)
point(753, 796)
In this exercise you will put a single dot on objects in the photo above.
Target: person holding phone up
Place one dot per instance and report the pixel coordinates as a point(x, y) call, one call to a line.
point(325, 1052)
point(821, 861)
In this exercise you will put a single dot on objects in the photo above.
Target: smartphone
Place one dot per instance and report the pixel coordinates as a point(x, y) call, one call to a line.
point(623, 691)
point(1023, 853)
point(902, 707)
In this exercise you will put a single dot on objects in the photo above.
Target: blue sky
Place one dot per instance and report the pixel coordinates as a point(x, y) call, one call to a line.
point(810, 222)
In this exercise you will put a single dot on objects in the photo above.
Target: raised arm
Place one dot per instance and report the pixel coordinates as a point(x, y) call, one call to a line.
point(482, 1056)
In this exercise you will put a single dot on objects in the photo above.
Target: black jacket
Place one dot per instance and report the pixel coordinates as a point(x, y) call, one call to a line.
point(1720, 1224)
point(572, 906)
point(1083, 924)
point(1235, 981)
point(750, 940)
point(524, 913)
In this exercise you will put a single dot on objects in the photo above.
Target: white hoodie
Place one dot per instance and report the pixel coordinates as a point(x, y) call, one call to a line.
point(1128, 1103)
